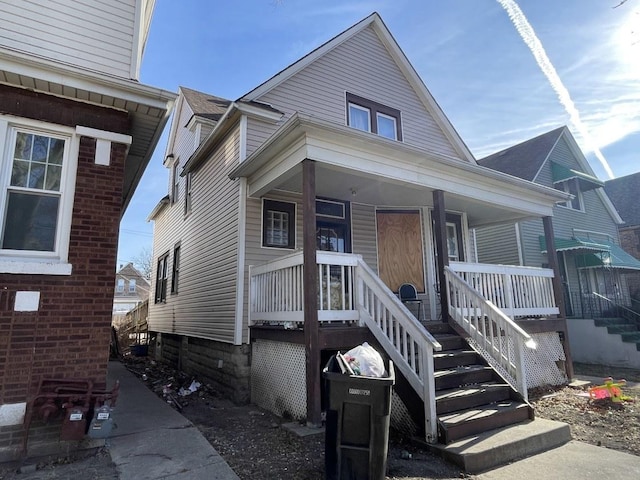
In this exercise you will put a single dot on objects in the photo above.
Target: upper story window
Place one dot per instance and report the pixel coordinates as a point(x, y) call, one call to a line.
point(161, 278)
point(175, 181)
point(278, 224)
point(37, 178)
point(132, 285)
point(374, 117)
point(120, 287)
point(572, 186)
point(187, 193)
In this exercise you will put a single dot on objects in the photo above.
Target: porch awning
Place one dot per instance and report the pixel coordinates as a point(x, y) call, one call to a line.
point(560, 173)
point(573, 244)
point(615, 257)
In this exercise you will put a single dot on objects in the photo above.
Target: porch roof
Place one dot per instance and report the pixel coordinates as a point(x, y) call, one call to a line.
point(366, 168)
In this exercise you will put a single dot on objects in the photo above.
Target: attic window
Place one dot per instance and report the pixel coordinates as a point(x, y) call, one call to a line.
point(373, 117)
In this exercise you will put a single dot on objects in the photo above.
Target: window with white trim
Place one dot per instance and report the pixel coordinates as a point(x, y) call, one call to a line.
point(278, 224)
point(187, 194)
point(175, 181)
point(571, 186)
point(120, 287)
point(132, 285)
point(161, 278)
point(37, 179)
point(373, 117)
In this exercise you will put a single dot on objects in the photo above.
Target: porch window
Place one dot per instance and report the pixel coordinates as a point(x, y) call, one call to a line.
point(161, 278)
point(373, 117)
point(278, 224)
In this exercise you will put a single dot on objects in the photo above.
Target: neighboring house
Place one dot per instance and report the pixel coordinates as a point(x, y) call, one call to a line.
point(623, 192)
point(592, 263)
point(131, 289)
point(340, 173)
point(77, 130)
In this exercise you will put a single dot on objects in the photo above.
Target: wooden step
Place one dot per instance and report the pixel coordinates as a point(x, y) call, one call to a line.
point(471, 396)
point(455, 358)
point(455, 426)
point(438, 327)
point(467, 375)
point(451, 341)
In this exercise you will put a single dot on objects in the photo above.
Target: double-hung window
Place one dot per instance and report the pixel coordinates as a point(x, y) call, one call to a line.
point(37, 180)
point(161, 278)
point(175, 273)
point(572, 186)
point(120, 287)
point(278, 224)
point(373, 117)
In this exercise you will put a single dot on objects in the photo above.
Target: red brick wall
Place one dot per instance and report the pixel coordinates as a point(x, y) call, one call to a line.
point(69, 336)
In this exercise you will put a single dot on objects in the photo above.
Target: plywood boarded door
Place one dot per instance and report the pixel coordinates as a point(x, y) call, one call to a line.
point(400, 252)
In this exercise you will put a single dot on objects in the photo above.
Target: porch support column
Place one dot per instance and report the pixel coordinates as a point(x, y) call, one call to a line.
point(310, 282)
point(558, 292)
point(440, 234)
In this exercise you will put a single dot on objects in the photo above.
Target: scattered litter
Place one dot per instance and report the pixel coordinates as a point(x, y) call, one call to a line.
point(405, 455)
point(611, 389)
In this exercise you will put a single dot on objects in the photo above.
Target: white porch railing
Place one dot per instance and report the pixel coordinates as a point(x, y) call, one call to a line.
point(349, 291)
point(492, 333)
point(517, 291)
point(276, 290)
point(405, 340)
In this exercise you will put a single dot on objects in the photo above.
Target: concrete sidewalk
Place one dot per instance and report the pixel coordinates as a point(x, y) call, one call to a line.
point(154, 441)
point(572, 461)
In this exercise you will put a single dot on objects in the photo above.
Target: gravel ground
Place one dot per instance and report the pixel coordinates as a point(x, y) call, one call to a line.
point(255, 444)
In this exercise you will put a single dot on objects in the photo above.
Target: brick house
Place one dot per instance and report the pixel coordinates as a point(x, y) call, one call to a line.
point(77, 130)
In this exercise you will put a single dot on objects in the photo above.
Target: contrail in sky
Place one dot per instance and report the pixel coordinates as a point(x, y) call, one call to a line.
point(527, 33)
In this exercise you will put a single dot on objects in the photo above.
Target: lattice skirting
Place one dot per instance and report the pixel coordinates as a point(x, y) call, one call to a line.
point(546, 364)
point(278, 378)
point(278, 384)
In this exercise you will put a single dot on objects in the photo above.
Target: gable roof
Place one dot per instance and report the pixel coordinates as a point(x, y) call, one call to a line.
point(525, 159)
point(375, 21)
point(623, 193)
point(205, 105)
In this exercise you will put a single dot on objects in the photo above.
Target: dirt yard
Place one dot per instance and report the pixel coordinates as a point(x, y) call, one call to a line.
point(256, 445)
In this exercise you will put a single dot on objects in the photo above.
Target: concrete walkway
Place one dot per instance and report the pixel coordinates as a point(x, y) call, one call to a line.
point(572, 461)
point(153, 441)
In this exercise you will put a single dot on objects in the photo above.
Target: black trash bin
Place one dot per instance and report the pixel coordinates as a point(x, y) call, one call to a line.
point(357, 424)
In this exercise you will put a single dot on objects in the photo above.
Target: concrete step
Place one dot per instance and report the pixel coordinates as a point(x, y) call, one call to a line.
point(613, 329)
point(605, 322)
point(470, 396)
point(466, 375)
point(497, 447)
point(457, 425)
point(630, 337)
point(454, 358)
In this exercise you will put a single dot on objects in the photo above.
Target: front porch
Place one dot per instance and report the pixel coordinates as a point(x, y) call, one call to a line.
point(354, 305)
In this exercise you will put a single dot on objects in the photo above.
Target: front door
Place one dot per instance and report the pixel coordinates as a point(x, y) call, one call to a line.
point(400, 252)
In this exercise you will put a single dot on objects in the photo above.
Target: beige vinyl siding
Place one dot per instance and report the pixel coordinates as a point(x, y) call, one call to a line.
point(205, 303)
point(498, 245)
point(96, 35)
point(363, 233)
point(255, 253)
point(361, 66)
point(257, 132)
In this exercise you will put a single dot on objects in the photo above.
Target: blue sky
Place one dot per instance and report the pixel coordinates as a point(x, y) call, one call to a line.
point(469, 53)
